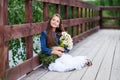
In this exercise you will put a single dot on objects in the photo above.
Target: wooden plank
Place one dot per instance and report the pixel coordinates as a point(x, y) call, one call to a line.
point(84, 42)
point(24, 30)
point(71, 3)
point(35, 75)
point(66, 15)
point(111, 18)
point(115, 72)
point(72, 27)
point(3, 46)
point(28, 19)
point(21, 69)
point(92, 53)
point(97, 62)
point(110, 8)
point(110, 27)
point(107, 61)
point(45, 11)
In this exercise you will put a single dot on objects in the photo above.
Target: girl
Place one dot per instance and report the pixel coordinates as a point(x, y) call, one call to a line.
point(49, 45)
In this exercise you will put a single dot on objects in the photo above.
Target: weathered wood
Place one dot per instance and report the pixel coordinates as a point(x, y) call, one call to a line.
point(73, 16)
point(91, 51)
point(115, 72)
point(85, 34)
point(66, 15)
point(3, 46)
point(45, 12)
point(29, 39)
point(110, 8)
point(111, 18)
point(71, 3)
point(77, 27)
point(106, 65)
point(21, 69)
point(110, 27)
point(57, 8)
point(24, 30)
point(103, 59)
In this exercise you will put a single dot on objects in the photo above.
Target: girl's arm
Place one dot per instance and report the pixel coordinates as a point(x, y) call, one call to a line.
point(44, 48)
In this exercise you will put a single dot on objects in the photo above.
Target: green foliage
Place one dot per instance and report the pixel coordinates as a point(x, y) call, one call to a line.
point(14, 46)
point(108, 13)
point(52, 9)
point(16, 15)
point(16, 9)
point(37, 8)
point(47, 59)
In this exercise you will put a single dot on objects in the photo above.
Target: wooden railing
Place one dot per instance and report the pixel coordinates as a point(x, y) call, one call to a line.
point(80, 27)
point(104, 18)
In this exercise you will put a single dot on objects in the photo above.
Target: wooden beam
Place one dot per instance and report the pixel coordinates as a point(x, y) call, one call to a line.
point(57, 8)
point(21, 69)
point(22, 30)
point(74, 3)
point(84, 34)
point(45, 12)
point(110, 8)
point(73, 16)
point(3, 46)
point(111, 18)
point(29, 39)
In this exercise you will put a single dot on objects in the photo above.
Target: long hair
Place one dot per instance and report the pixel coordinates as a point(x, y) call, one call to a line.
point(50, 33)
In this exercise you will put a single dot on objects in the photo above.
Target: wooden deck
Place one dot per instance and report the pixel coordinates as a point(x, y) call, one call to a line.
point(103, 48)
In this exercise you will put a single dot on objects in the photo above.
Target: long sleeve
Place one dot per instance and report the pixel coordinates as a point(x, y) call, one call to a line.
point(66, 50)
point(43, 44)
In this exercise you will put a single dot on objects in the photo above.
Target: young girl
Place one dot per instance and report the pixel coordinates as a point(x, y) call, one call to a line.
point(50, 45)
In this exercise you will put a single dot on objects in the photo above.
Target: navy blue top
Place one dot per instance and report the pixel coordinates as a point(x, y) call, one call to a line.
point(43, 40)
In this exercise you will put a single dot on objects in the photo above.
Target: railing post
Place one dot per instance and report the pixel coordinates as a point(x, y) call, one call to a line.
point(100, 14)
point(28, 17)
point(58, 8)
point(73, 16)
point(66, 15)
point(4, 65)
point(45, 11)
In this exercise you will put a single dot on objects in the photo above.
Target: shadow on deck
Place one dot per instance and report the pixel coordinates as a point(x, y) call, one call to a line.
point(103, 48)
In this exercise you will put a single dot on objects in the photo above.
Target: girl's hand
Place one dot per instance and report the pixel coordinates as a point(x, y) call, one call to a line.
point(59, 53)
point(58, 48)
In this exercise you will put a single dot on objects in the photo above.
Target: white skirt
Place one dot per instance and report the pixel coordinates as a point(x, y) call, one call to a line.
point(67, 63)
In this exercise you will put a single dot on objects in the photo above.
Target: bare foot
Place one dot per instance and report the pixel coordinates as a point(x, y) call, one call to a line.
point(88, 63)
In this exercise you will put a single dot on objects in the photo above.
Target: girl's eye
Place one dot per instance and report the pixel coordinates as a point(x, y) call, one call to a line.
point(57, 21)
point(53, 19)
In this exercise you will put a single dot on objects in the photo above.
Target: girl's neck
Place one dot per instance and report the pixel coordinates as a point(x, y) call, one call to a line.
point(53, 29)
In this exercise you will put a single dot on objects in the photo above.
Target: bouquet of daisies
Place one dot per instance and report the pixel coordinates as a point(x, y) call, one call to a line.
point(66, 41)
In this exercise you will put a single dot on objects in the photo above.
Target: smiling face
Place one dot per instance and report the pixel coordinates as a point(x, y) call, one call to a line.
point(55, 21)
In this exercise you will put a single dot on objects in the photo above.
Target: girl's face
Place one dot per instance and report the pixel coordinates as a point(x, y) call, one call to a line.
point(55, 21)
